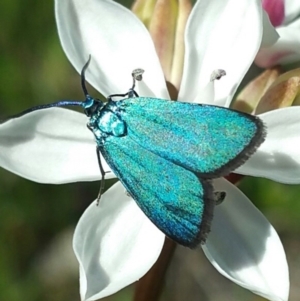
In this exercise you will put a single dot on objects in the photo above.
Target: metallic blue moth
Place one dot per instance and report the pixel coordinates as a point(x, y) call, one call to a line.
point(166, 153)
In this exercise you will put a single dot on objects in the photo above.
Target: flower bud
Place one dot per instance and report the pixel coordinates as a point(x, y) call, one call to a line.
point(248, 99)
point(284, 92)
point(166, 21)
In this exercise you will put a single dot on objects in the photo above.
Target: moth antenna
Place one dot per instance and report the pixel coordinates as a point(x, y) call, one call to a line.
point(83, 76)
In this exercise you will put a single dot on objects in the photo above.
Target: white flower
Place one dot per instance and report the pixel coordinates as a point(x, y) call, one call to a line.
point(285, 16)
point(115, 243)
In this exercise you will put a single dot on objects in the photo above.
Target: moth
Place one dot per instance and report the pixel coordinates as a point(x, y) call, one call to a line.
point(166, 154)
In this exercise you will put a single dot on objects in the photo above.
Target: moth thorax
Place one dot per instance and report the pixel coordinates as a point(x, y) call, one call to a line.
point(111, 124)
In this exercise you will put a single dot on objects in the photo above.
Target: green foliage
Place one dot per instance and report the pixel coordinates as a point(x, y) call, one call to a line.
point(34, 70)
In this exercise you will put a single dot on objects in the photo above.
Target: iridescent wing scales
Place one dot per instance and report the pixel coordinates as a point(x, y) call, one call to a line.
point(174, 198)
point(208, 140)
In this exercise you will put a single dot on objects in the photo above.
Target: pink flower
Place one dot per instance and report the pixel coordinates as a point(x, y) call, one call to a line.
point(284, 15)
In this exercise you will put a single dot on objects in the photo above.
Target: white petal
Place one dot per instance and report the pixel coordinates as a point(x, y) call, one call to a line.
point(278, 158)
point(206, 95)
point(115, 244)
point(117, 41)
point(285, 50)
point(270, 35)
point(220, 35)
point(292, 10)
point(245, 248)
point(50, 146)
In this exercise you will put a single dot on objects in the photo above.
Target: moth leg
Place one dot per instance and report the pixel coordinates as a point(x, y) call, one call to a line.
point(102, 171)
point(219, 197)
point(137, 74)
point(129, 94)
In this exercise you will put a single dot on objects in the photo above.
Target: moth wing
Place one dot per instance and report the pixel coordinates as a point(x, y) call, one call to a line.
point(174, 198)
point(208, 140)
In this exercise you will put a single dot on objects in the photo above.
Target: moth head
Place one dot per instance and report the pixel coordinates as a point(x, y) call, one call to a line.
point(91, 105)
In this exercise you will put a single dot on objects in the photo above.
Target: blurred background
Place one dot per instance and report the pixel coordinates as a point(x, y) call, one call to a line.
point(37, 221)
